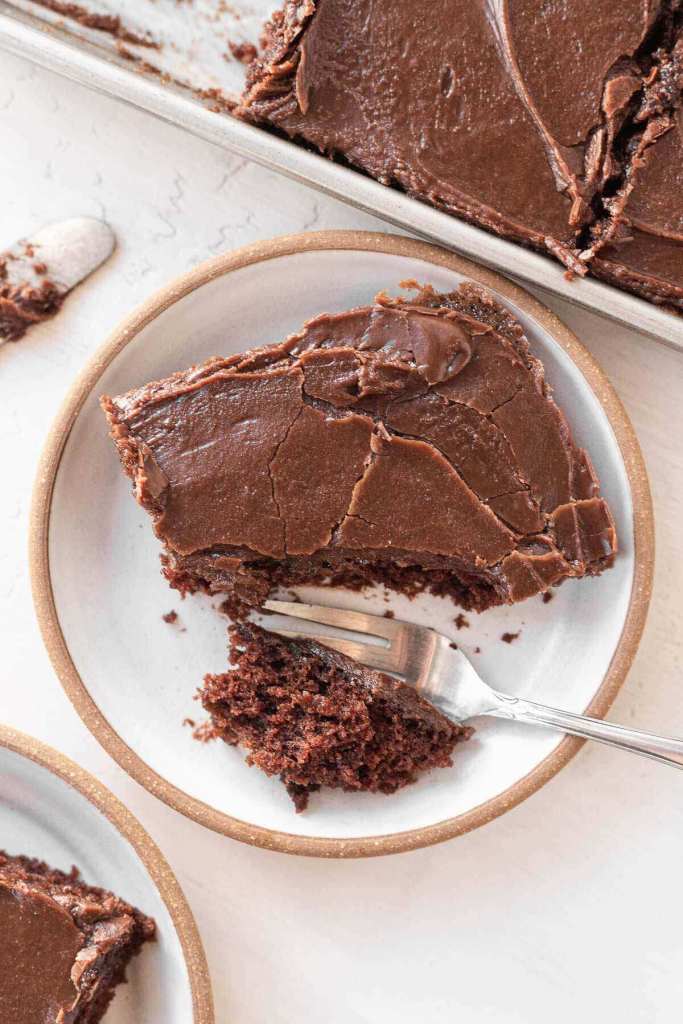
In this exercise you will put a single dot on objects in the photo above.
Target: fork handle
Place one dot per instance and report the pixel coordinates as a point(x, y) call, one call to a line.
point(664, 749)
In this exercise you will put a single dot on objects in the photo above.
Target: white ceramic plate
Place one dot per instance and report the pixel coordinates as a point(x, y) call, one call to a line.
point(101, 597)
point(53, 810)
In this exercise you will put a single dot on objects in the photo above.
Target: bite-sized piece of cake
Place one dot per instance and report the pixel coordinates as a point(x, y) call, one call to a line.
point(64, 945)
point(317, 718)
point(412, 443)
point(551, 96)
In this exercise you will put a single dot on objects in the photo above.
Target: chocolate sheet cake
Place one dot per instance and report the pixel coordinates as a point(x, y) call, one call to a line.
point(316, 718)
point(413, 442)
point(556, 125)
point(64, 945)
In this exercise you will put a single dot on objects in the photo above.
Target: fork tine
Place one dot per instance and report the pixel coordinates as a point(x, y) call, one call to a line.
point(359, 622)
point(367, 654)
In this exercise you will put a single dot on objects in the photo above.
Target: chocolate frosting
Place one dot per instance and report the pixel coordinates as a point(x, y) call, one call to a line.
point(648, 252)
point(24, 305)
point(516, 115)
point(407, 426)
point(401, 95)
point(655, 205)
point(64, 945)
point(565, 52)
point(431, 340)
point(39, 943)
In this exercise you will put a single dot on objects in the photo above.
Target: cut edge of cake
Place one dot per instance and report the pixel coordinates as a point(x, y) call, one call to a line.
point(315, 718)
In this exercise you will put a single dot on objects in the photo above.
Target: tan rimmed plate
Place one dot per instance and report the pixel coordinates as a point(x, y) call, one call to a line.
point(53, 810)
point(100, 597)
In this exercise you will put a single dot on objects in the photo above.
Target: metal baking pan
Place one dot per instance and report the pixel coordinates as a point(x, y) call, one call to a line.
point(194, 39)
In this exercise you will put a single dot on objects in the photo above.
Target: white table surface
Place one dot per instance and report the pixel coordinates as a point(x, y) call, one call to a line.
point(568, 908)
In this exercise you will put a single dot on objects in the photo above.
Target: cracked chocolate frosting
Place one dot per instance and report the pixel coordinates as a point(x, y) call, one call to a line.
point(644, 250)
point(529, 119)
point(64, 945)
point(413, 442)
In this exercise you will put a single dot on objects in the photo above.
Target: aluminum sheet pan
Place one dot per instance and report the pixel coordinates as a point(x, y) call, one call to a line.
point(194, 39)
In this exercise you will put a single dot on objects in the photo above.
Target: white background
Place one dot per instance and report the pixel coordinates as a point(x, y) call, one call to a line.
point(568, 908)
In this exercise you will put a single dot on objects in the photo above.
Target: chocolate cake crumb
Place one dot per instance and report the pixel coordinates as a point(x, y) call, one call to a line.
point(219, 102)
point(233, 607)
point(205, 732)
point(389, 614)
point(171, 616)
point(190, 722)
point(243, 52)
point(316, 718)
point(548, 596)
point(510, 638)
point(453, 645)
point(477, 650)
point(461, 621)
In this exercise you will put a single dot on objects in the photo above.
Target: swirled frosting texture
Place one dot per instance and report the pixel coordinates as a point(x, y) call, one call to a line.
point(525, 117)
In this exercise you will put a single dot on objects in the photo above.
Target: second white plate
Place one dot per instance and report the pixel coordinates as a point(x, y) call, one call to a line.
point(54, 811)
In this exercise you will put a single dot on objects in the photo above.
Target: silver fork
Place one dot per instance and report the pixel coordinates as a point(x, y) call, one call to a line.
point(443, 675)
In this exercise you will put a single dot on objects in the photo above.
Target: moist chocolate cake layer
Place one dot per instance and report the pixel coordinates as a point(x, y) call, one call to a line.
point(64, 945)
point(413, 443)
point(525, 118)
point(316, 718)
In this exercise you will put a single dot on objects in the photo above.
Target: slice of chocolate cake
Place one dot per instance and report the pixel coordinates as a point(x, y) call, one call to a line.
point(412, 443)
point(316, 718)
point(64, 945)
